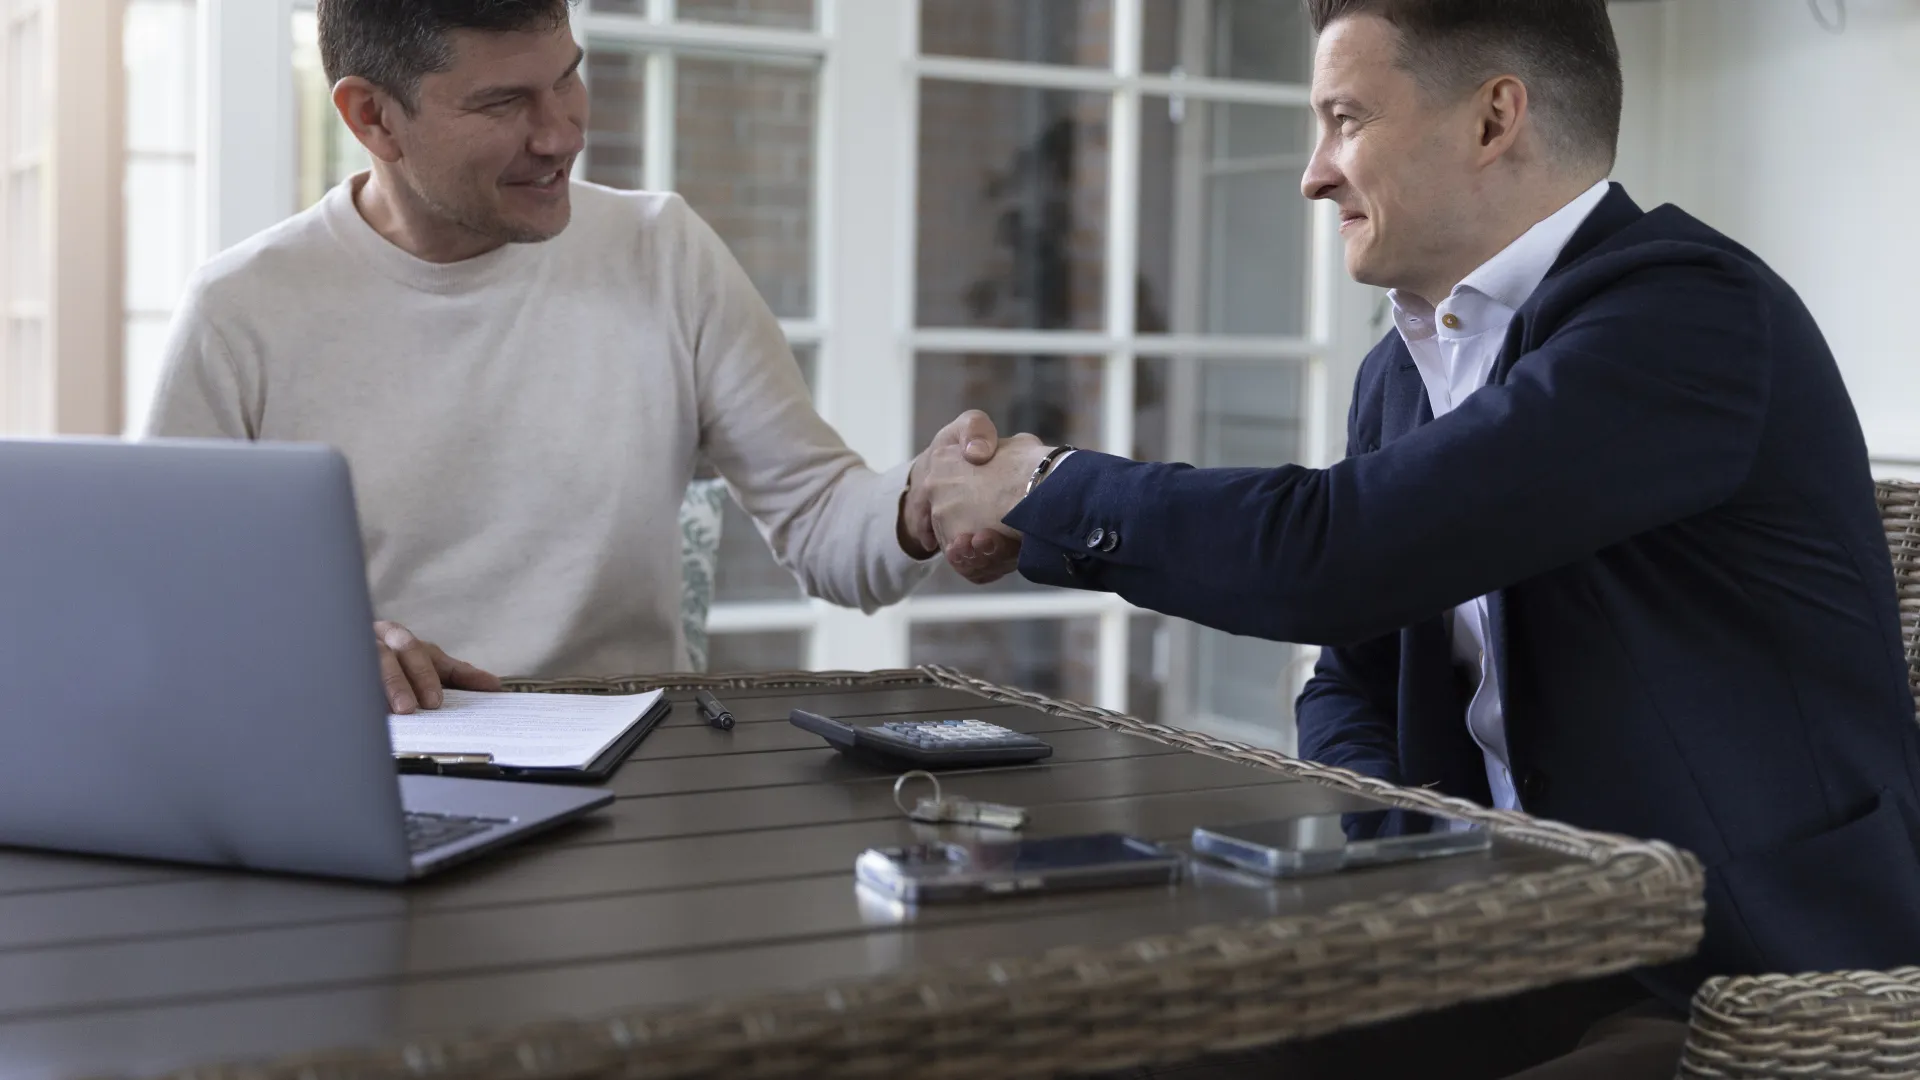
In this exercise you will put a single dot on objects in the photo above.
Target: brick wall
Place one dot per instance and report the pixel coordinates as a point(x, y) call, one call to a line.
point(617, 78)
point(744, 158)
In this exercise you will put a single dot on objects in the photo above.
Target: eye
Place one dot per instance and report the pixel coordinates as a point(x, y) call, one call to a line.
point(1341, 122)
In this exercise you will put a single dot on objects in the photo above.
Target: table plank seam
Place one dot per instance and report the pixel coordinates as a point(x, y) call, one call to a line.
point(957, 919)
point(888, 778)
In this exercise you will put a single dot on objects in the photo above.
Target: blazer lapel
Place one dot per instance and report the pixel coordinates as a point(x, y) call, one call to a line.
point(1615, 212)
point(1436, 750)
point(1405, 405)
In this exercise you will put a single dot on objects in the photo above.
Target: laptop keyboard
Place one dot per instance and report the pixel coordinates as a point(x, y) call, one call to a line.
point(428, 831)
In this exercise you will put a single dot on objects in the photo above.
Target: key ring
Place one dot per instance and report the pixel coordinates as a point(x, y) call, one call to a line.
point(902, 781)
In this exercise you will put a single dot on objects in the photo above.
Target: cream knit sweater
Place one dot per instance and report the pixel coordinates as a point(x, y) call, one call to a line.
point(521, 426)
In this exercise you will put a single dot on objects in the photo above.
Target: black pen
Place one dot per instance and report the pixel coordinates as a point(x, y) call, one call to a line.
point(716, 713)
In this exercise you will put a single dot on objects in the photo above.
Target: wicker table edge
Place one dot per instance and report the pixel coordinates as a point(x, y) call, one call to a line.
point(1627, 903)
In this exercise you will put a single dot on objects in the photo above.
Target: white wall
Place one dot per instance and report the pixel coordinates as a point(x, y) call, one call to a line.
point(1805, 147)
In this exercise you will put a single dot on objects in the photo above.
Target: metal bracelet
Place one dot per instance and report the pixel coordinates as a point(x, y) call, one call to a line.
point(1041, 470)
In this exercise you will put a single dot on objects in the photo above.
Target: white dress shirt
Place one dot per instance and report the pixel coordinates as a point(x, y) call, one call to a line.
point(1455, 346)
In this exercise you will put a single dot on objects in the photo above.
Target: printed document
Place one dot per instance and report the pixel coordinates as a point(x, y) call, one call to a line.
point(529, 731)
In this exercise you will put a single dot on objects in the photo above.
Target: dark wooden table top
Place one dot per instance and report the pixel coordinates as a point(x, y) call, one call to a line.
point(724, 869)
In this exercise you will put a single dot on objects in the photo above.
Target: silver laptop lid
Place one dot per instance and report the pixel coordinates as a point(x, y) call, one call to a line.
point(187, 667)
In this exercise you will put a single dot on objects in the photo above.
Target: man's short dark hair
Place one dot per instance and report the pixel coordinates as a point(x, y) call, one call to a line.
point(1564, 50)
point(393, 44)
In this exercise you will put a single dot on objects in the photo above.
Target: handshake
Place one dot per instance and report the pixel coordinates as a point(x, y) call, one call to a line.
point(958, 491)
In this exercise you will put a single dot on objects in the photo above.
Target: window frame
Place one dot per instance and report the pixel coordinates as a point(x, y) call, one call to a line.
point(864, 251)
point(74, 385)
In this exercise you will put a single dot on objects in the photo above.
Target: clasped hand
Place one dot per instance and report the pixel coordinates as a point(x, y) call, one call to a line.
point(961, 488)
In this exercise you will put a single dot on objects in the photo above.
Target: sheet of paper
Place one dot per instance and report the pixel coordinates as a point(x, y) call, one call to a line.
point(564, 731)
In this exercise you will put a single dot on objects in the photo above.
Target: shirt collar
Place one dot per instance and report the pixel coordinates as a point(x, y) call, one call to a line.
point(1487, 298)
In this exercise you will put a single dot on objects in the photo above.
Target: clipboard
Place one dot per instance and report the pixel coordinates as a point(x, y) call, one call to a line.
point(596, 771)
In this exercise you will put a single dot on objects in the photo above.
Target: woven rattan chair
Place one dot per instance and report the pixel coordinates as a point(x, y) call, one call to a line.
point(1858, 1025)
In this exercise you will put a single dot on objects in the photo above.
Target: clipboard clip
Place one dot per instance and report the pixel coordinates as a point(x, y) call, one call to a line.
point(444, 763)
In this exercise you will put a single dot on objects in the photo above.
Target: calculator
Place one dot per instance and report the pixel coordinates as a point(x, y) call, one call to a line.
point(925, 744)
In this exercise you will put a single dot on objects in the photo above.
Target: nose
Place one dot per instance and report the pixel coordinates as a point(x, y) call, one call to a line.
point(557, 132)
point(1322, 178)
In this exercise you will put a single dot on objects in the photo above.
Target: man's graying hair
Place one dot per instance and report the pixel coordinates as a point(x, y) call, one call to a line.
point(1564, 50)
point(393, 44)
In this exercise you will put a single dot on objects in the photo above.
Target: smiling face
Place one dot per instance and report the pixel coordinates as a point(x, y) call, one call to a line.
point(1403, 169)
point(492, 139)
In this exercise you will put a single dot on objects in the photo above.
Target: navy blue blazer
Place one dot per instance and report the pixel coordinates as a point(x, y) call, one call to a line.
point(1665, 490)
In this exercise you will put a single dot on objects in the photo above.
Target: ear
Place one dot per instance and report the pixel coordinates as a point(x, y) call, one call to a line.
point(369, 112)
point(1502, 107)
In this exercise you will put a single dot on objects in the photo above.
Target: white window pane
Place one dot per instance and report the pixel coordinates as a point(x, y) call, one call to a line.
point(781, 14)
point(1012, 207)
point(744, 143)
point(24, 386)
point(777, 14)
point(1056, 657)
point(616, 137)
point(1147, 668)
point(1077, 32)
point(744, 146)
point(1233, 686)
point(145, 348)
point(160, 240)
point(24, 87)
point(1259, 40)
point(1256, 274)
point(161, 43)
point(1220, 413)
point(1224, 230)
point(779, 650)
point(25, 232)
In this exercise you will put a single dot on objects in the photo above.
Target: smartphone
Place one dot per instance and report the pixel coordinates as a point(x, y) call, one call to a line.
point(1318, 843)
point(938, 872)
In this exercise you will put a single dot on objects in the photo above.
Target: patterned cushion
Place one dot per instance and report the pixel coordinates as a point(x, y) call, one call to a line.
point(699, 550)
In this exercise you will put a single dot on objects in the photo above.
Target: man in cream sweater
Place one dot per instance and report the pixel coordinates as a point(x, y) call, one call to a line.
point(521, 369)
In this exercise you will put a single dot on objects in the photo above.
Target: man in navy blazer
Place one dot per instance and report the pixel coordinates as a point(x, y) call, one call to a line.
point(1604, 547)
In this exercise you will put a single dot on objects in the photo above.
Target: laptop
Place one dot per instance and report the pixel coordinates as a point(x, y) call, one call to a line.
point(188, 671)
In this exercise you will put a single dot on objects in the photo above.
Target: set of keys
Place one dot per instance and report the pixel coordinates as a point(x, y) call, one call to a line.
point(942, 809)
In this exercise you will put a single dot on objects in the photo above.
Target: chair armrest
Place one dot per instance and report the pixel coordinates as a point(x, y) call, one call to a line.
point(1855, 1024)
